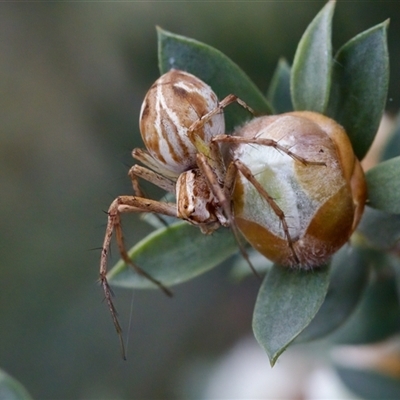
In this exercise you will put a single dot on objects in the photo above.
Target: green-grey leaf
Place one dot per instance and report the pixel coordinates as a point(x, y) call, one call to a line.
point(11, 389)
point(173, 255)
point(349, 276)
point(359, 86)
point(279, 88)
point(214, 68)
point(368, 384)
point(381, 230)
point(395, 264)
point(383, 186)
point(392, 148)
point(378, 315)
point(312, 64)
point(287, 302)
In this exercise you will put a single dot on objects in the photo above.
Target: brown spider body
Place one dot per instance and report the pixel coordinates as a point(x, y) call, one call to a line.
point(173, 103)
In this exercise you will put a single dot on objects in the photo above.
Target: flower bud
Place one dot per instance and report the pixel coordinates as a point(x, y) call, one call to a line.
point(320, 205)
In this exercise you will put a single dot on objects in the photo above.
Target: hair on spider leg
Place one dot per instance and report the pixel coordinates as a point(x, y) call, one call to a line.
point(108, 295)
point(95, 249)
point(112, 295)
point(255, 146)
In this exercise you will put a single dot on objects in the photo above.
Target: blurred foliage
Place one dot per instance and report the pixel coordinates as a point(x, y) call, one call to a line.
point(73, 76)
point(10, 389)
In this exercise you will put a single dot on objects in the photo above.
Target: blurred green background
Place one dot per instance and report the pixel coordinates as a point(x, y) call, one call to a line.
point(73, 76)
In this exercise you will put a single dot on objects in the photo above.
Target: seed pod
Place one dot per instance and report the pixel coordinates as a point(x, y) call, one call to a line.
point(321, 205)
point(174, 102)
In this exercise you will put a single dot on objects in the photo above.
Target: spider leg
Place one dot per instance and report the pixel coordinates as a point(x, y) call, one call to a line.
point(127, 204)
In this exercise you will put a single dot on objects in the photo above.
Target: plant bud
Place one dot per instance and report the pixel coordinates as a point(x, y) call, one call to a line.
point(321, 204)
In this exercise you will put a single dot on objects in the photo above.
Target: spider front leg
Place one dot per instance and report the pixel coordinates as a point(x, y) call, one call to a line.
point(127, 204)
point(151, 163)
point(223, 194)
point(246, 172)
point(209, 148)
point(265, 142)
point(155, 178)
point(150, 176)
point(231, 98)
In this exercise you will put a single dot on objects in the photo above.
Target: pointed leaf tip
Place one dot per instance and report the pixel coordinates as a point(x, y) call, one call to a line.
point(360, 84)
point(216, 69)
point(279, 89)
point(287, 302)
point(312, 64)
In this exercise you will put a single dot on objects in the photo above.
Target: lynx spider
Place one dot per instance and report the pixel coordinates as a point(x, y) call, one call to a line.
point(204, 184)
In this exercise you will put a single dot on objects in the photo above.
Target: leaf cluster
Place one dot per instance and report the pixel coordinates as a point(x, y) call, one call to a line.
point(345, 299)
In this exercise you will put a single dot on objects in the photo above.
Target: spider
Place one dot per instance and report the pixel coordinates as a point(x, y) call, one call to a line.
point(182, 127)
point(173, 160)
